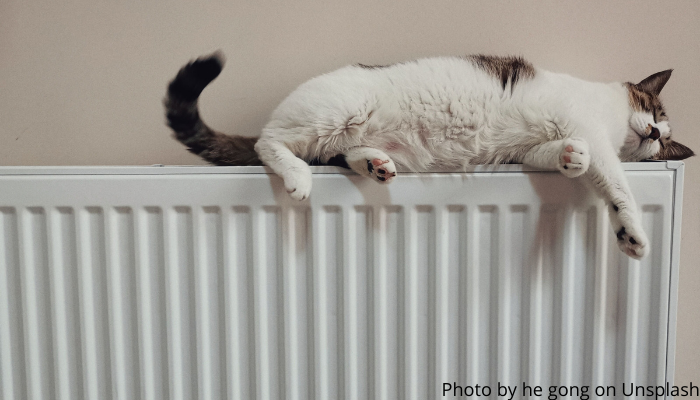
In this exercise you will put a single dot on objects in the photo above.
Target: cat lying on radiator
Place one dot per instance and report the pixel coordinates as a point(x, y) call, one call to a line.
point(448, 113)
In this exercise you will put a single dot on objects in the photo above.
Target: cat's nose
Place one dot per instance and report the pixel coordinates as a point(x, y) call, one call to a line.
point(655, 134)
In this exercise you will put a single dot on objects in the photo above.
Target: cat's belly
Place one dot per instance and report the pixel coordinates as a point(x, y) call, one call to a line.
point(452, 139)
point(455, 146)
point(422, 153)
point(476, 130)
point(419, 135)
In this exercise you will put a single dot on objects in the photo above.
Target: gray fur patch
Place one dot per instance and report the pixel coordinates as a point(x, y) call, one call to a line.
point(223, 149)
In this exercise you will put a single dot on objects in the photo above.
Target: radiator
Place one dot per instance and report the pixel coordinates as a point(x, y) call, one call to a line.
point(210, 283)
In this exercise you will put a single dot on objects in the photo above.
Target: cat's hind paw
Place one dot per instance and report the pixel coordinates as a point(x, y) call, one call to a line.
point(381, 170)
point(574, 158)
point(372, 163)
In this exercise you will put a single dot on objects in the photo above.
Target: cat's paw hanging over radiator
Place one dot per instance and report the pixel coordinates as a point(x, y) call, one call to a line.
point(631, 238)
point(372, 163)
point(632, 242)
point(297, 182)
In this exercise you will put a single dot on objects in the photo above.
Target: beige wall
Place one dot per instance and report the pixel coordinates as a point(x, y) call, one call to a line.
point(81, 82)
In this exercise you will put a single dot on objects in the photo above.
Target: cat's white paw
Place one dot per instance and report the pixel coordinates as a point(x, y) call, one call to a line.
point(382, 170)
point(297, 182)
point(574, 158)
point(371, 163)
point(631, 238)
point(632, 242)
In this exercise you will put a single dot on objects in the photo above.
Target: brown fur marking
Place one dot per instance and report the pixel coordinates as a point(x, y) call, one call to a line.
point(672, 150)
point(504, 69)
point(364, 66)
point(642, 101)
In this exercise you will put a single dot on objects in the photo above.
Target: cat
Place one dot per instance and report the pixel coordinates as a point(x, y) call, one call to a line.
point(448, 113)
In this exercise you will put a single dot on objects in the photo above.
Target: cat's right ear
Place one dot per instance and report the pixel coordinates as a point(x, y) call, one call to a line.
point(654, 83)
point(674, 151)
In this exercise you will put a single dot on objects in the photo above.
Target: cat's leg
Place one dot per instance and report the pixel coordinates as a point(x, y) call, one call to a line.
point(571, 156)
point(293, 170)
point(372, 163)
point(608, 178)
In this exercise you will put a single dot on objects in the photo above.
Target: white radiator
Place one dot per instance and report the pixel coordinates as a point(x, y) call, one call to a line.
point(210, 283)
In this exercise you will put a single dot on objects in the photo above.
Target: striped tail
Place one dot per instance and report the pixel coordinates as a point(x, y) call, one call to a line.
point(183, 117)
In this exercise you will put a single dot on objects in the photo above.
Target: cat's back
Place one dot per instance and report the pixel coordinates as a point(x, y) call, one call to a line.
point(357, 90)
point(425, 74)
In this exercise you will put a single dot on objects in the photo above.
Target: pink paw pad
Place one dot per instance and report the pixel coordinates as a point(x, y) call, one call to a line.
point(383, 174)
point(568, 149)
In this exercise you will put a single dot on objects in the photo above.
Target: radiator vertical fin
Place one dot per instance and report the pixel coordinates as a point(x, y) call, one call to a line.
point(62, 252)
point(240, 322)
point(357, 301)
point(420, 249)
point(12, 359)
point(37, 315)
point(94, 313)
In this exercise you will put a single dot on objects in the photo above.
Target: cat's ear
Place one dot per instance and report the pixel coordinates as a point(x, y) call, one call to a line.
point(674, 151)
point(654, 83)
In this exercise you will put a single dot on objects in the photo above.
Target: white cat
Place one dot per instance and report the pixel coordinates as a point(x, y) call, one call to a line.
point(447, 113)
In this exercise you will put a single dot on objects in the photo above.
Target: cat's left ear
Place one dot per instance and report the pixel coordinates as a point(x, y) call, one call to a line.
point(654, 83)
point(674, 151)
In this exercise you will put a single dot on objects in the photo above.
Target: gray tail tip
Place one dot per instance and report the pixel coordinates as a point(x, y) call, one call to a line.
point(196, 75)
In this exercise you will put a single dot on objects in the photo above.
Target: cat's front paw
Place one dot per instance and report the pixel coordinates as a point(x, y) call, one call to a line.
point(297, 182)
point(634, 243)
point(574, 157)
point(631, 238)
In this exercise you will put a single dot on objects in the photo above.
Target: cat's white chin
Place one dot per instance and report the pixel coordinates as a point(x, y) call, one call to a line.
point(638, 146)
point(648, 149)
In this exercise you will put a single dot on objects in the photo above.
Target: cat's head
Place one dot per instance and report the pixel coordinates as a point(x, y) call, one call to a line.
point(650, 133)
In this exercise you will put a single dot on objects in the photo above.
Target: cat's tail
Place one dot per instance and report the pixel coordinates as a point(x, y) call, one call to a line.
point(182, 114)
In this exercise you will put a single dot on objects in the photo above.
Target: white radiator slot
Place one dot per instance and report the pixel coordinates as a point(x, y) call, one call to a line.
point(210, 283)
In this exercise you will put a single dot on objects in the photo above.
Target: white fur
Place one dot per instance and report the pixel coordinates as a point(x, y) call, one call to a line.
point(448, 113)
